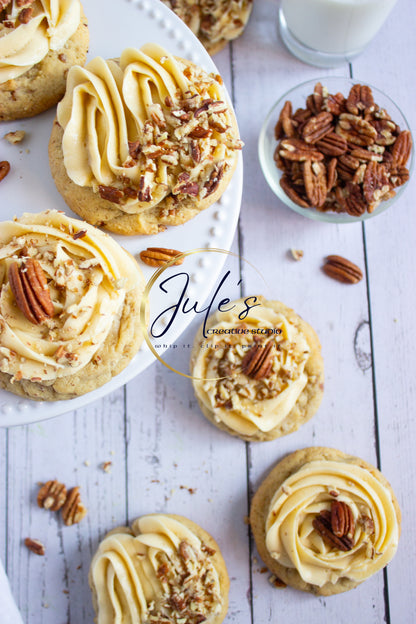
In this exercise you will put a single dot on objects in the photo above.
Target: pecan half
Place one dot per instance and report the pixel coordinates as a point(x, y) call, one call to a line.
point(295, 149)
point(332, 145)
point(401, 148)
point(52, 495)
point(317, 127)
point(322, 524)
point(315, 101)
point(360, 98)
point(376, 182)
point(35, 546)
point(314, 176)
point(292, 193)
point(29, 287)
point(342, 270)
point(356, 130)
point(355, 203)
point(4, 169)
point(257, 363)
point(73, 510)
point(342, 519)
point(158, 256)
point(285, 125)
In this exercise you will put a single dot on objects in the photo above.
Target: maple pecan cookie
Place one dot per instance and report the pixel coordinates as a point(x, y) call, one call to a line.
point(40, 41)
point(214, 22)
point(69, 307)
point(325, 521)
point(159, 141)
point(165, 568)
point(258, 375)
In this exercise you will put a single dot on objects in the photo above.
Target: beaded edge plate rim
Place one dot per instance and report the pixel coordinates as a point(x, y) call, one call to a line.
point(213, 228)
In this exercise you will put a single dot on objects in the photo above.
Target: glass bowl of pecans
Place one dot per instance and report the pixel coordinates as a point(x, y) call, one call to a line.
point(336, 150)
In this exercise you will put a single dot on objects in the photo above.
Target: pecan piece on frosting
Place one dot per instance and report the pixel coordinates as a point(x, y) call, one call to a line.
point(52, 495)
point(29, 287)
point(110, 193)
point(257, 363)
point(342, 519)
point(322, 525)
point(158, 256)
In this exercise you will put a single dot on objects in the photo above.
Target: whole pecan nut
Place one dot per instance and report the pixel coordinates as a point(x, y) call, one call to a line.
point(52, 495)
point(322, 525)
point(159, 256)
point(35, 546)
point(342, 270)
point(342, 519)
point(29, 287)
point(73, 510)
point(257, 363)
point(4, 169)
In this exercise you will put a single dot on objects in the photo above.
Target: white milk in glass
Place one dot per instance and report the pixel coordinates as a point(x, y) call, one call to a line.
point(335, 26)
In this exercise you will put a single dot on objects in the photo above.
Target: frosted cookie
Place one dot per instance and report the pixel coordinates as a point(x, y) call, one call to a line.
point(324, 521)
point(142, 142)
point(39, 41)
point(214, 22)
point(69, 307)
point(258, 376)
point(164, 568)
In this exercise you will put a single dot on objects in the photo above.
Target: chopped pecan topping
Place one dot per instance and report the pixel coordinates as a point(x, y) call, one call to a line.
point(35, 546)
point(342, 270)
point(110, 193)
point(26, 15)
point(30, 289)
point(159, 256)
point(52, 495)
point(73, 510)
point(257, 363)
point(79, 234)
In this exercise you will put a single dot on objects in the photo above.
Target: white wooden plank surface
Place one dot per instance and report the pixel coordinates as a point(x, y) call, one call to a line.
point(152, 430)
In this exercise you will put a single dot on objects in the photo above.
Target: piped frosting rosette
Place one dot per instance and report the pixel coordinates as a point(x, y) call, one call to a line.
point(30, 30)
point(325, 521)
point(160, 570)
point(146, 128)
point(63, 286)
point(251, 370)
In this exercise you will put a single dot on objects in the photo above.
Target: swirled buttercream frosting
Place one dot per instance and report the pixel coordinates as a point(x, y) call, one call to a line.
point(29, 30)
point(63, 284)
point(332, 519)
point(147, 130)
point(157, 571)
point(250, 371)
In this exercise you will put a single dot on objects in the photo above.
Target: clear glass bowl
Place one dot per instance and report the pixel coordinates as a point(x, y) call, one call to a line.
point(268, 143)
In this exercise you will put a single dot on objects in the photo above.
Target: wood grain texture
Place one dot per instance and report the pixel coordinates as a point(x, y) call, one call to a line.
point(167, 457)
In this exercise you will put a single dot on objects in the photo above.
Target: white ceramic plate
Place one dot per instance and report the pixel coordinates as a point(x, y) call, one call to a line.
point(29, 186)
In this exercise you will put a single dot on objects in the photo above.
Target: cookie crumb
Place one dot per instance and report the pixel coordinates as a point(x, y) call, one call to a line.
point(15, 137)
point(297, 254)
point(106, 466)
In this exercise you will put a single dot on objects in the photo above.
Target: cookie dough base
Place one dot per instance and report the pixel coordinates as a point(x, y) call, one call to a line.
point(310, 397)
point(119, 348)
point(217, 561)
point(103, 213)
point(261, 503)
point(44, 84)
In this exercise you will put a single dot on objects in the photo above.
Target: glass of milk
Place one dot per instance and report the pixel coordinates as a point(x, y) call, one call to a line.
point(327, 33)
